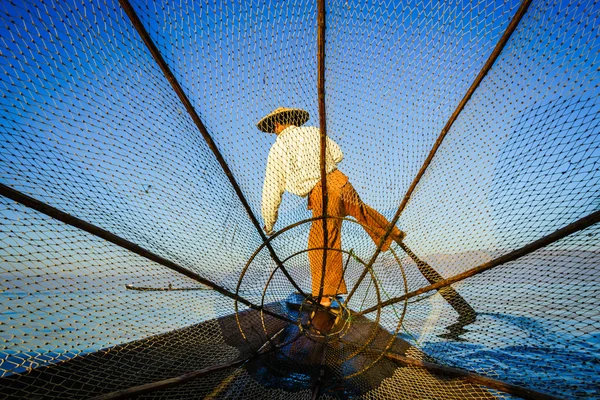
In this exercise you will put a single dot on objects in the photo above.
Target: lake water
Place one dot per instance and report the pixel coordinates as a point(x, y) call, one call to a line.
point(557, 352)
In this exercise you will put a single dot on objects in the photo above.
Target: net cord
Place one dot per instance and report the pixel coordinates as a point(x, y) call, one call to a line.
point(559, 234)
point(158, 58)
point(482, 73)
point(66, 218)
point(190, 376)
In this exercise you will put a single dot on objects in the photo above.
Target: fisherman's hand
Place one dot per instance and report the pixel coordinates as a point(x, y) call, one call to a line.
point(267, 232)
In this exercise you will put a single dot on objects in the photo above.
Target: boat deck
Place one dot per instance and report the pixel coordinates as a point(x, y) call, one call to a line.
point(276, 374)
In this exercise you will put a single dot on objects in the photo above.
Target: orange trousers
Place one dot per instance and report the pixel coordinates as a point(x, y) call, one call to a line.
point(342, 201)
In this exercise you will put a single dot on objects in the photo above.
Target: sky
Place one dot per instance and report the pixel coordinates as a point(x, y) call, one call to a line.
point(90, 125)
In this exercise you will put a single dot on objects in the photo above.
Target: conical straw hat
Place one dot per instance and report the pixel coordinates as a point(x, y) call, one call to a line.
point(283, 115)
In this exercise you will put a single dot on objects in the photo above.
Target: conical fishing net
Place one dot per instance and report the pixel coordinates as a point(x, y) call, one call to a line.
point(136, 254)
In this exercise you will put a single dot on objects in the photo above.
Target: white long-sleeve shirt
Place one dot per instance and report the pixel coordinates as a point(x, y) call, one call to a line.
point(294, 165)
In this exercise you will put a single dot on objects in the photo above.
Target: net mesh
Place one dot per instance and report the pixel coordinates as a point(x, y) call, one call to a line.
point(92, 130)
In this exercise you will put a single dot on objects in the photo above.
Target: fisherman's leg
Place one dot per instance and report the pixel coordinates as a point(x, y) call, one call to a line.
point(333, 283)
point(375, 223)
point(315, 241)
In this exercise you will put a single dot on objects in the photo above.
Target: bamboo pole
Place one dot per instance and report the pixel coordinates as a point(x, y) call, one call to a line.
point(158, 58)
point(482, 73)
point(163, 289)
point(468, 376)
point(190, 376)
point(323, 133)
point(62, 216)
point(561, 233)
point(167, 383)
point(491, 383)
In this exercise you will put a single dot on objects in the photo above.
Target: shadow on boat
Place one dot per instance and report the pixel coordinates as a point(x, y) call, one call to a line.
point(342, 366)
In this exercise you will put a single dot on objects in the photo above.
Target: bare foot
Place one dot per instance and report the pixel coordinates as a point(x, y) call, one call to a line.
point(326, 301)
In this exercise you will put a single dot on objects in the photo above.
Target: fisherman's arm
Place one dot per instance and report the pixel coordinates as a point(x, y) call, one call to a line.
point(334, 150)
point(273, 188)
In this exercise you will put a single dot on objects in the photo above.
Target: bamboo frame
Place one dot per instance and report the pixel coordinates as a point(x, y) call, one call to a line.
point(491, 383)
point(66, 218)
point(437, 285)
point(273, 237)
point(561, 233)
point(158, 58)
point(375, 284)
point(482, 73)
point(323, 132)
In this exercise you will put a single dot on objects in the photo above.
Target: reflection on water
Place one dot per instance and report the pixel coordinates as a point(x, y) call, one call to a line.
point(524, 351)
point(457, 329)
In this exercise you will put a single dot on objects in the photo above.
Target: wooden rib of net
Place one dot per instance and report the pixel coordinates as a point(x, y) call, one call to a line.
point(437, 282)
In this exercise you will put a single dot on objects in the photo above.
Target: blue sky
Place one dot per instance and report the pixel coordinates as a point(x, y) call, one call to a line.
point(89, 124)
point(98, 131)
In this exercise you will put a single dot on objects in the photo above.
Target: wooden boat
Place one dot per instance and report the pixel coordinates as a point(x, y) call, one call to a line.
point(130, 152)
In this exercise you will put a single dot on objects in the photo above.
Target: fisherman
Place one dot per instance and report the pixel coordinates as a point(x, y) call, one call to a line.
point(294, 165)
